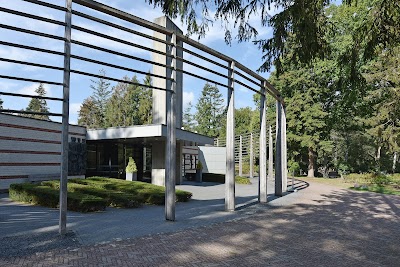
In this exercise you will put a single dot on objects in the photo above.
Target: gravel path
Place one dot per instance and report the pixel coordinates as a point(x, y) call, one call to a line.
point(318, 226)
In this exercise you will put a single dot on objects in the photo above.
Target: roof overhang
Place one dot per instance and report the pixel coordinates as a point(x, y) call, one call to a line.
point(145, 132)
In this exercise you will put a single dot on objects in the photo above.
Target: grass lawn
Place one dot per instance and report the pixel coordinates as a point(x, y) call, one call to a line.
point(220, 178)
point(384, 184)
point(94, 194)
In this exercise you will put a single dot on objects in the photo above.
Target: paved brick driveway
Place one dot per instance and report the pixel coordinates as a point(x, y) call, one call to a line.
point(318, 226)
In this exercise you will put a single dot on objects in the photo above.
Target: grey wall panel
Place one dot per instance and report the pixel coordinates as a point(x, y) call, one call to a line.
point(213, 159)
point(33, 134)
point(29, 158)
point(27, 170)
point(16, 145)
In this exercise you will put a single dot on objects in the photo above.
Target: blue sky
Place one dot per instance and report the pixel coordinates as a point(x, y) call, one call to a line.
point(246, 53)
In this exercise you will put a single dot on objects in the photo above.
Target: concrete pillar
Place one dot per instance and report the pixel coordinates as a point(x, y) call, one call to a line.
point(160, 97)
point(240, 156)
point(262, 184)
point(270, 156)
point(158, 163)
point(284, 151)
point(251, 156)
point(280, 164)
point(230, 143)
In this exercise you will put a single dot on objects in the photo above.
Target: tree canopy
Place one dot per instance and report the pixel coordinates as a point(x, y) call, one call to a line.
point(38, 105)
point(305, 22)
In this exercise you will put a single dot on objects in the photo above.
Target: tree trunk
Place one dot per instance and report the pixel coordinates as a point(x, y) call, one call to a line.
point(311, 163)
point(394, 162)
point(378, 158)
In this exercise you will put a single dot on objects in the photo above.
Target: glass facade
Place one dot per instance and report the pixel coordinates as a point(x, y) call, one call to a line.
point(109, 159)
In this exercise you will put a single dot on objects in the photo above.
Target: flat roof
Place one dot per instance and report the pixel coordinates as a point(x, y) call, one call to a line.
point(145, 131)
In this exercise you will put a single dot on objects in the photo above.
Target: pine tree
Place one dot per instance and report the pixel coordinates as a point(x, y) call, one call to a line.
point(209, 111)
point(146, 102)
point(89, 114)
point(1, 103)
point(38, 105)
point(101, 94)
point(188, 123)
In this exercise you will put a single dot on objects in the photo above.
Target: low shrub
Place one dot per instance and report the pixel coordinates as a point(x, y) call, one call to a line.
point(242, 180)
point(94, 194)
point(44, 195)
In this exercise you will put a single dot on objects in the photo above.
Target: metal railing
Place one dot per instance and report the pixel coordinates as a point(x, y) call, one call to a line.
point(227, 72)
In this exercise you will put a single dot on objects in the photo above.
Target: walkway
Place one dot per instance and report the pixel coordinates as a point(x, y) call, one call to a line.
point(318, 226)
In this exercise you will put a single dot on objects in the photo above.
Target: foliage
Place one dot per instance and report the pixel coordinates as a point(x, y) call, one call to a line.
point(242, 180)
point(101, 94)
point(131, 167)
point(199, 166)
point(89, 114)
point(1, 103)
point(305, 20)
point(38, 105)
point(209, 111)
point(188, 123)
point(293, 167)
point(94, 194)
point(128, 103)
point(47, 196)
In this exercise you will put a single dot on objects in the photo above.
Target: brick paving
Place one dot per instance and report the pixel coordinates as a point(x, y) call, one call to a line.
point(318, 226)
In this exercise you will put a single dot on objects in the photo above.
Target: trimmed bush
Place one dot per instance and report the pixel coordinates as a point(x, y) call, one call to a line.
point(94, 194)
point(47, 196)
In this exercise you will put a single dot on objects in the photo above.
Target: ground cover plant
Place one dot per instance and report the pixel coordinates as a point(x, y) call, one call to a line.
point(379, 183)
point(94, 194)
point(220, 178)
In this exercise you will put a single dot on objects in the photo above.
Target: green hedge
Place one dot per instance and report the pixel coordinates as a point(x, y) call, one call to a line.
point(94, 194)
point(49, 197)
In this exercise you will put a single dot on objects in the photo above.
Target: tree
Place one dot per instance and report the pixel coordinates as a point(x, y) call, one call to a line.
point(1, 103)
point(90, 114)
point(38, 105)
point(117, 108)
point(101, 94)
point(130, 104)
point(383, 121)
point(305, 20)
point(209, 111)
point(146, 102)
point(188, 123)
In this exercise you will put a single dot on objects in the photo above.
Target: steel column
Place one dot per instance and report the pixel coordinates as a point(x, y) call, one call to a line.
point(170, 164)
point(240, 156)
point(278, 153)
point(270, 156)
point(262, 183)
point(251, 156)
point(230, 143)
point(65, 120)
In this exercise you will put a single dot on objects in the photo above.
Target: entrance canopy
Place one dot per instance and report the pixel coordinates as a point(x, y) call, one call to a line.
point(147, 132)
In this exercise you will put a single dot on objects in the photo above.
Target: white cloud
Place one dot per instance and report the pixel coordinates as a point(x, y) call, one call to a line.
point(30, 89)
point(74, 108)
point(187, 97)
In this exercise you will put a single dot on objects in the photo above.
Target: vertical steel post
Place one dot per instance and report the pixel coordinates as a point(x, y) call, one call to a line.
point(284, 150)
point(262, 183)
point(230, 143)
point(170, 166)
point(65, 120)
point(270, 156)
point(251, 156)
point(240, 155)
point(278, 148)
